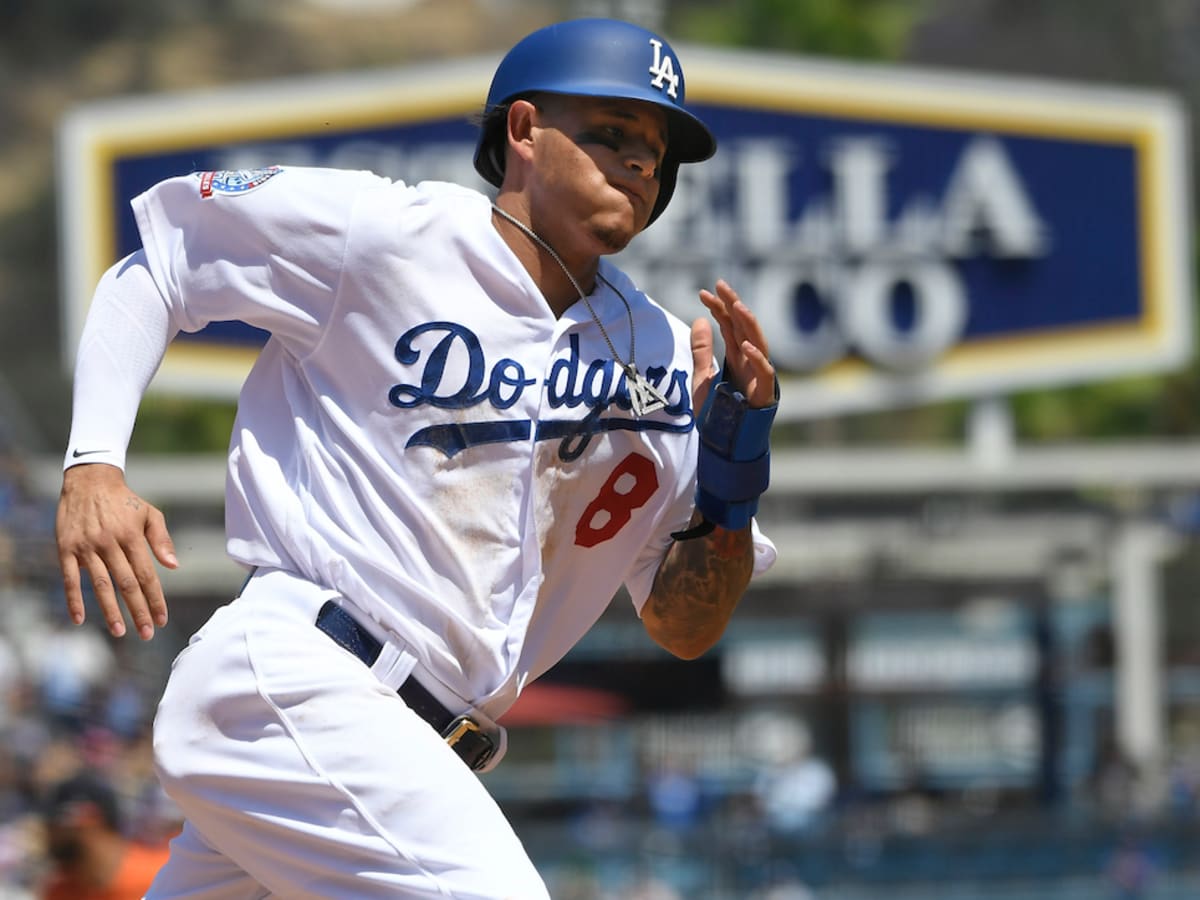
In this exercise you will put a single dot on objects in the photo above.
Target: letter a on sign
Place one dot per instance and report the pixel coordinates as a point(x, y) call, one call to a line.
point(663, 70)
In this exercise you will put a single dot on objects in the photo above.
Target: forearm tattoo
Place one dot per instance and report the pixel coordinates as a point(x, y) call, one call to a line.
point(699, 585)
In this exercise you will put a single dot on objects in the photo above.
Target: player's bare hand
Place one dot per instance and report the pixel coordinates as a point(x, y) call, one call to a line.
point(702, 362)
point(104, 527)
point(749, 367)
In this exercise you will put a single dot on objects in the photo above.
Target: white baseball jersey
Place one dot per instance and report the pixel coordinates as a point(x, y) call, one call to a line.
point(421, 433)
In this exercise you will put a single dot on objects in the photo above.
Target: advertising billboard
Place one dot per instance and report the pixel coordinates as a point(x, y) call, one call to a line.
point(904, 235)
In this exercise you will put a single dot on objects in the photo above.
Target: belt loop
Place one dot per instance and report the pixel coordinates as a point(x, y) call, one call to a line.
point(394, 665)
point(479, 742)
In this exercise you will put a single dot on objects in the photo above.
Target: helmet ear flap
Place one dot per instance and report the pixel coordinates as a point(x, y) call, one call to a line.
point(491, 150)
point(496, 161)
point(667, 176)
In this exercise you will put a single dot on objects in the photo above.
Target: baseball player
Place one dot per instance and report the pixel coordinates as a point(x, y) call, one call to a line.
point(467, 430)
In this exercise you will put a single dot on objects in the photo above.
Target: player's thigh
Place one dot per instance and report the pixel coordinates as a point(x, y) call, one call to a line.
point(198, 872)
point(296, 763)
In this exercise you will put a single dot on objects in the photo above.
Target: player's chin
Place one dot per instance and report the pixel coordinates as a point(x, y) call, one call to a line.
point(614, 237)
point(625, 221)
point(615, 230)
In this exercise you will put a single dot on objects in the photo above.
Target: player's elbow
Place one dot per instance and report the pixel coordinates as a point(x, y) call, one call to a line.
point(686, 644)
point(690, 650)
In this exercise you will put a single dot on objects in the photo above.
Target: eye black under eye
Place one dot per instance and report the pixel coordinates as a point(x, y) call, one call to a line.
point(611, 137)
point(604, 138)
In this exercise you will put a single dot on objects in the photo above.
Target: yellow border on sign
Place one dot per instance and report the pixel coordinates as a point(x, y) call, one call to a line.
point(969, 103)
point(260, 113)
point(217, 127)
point(1145, 122)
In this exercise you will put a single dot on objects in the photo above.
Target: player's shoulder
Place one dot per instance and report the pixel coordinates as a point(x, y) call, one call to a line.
point(450, 192)
point(256, 191)
point(624, 285)
point(275, 186)
point(397, 196)
point(284, 180)
point(463, 204)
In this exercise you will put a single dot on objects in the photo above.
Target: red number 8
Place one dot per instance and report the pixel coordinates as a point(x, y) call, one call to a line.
point(613, 508)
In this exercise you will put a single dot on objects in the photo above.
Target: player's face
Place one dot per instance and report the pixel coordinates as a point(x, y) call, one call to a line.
point(598, 162)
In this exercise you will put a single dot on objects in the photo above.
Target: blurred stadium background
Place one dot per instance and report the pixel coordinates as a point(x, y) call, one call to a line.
point(975, 672)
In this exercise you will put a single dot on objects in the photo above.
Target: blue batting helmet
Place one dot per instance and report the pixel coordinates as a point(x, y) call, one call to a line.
point(596, 58)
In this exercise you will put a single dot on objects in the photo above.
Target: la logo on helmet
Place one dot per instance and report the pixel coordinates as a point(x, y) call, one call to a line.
point(663, 70)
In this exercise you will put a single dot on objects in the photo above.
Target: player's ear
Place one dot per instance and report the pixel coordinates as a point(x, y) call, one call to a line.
point(522, 117)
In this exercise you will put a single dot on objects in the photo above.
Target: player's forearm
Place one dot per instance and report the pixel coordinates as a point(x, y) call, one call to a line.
point(127, 331)
point(696, 590)
point(701, 580)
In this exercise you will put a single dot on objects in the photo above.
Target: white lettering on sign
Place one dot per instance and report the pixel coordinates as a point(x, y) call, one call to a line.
point(831, 277)
point(940, 662)
point(986, 203)
point(825, 279)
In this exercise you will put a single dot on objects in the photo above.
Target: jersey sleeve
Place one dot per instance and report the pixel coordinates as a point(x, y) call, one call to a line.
point(263, 247)
point(127, 331)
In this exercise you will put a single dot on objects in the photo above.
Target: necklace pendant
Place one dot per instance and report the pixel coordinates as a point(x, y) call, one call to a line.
point(644, 398)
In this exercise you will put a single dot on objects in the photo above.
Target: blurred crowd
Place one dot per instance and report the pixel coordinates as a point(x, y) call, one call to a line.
point(83, 817)
point(81, 813)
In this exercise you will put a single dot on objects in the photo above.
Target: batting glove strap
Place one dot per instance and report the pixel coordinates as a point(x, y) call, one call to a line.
point(734, 465)
point(733, 429)
point(730, 515)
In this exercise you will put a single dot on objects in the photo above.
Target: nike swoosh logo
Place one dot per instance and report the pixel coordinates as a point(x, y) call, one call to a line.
point(79, 453)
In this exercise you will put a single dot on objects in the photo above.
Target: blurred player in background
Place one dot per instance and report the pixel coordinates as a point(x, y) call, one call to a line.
point(91, 856)
point(467, 431)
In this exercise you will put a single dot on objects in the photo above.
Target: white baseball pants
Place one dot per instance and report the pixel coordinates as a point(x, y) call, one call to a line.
point(301, 775)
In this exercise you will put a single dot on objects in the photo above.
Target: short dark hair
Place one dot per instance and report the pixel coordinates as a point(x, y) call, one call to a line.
point(493, 123)
point(84, 788)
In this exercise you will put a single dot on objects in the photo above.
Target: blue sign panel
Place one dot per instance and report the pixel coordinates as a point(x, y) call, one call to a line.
point(136, 172)
point(1075, 261)
point(904, 237)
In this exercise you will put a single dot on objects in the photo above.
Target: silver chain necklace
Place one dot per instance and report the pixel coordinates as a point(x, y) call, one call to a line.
point(644, 398)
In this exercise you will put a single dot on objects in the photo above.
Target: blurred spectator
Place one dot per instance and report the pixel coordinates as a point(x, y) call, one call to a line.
point(650, 887)
point(12, 680)
point(19, 857)
point(73, 663)
point(913, 808)
point(1184, 768)
point(796, 787)
point(675, 796)
point(125, 710)
point(1110, 783)
point(91, 856)
point(788, 890)
point(1131, 868)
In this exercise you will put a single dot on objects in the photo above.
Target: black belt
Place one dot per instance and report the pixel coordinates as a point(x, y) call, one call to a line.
point(462, 733)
